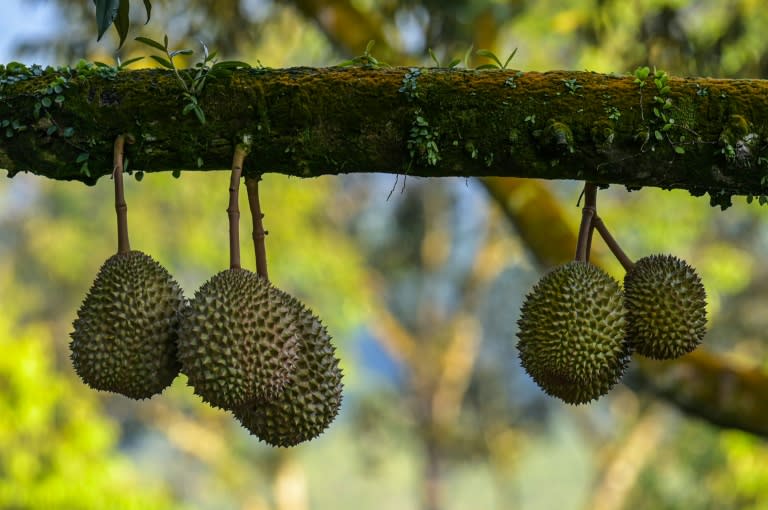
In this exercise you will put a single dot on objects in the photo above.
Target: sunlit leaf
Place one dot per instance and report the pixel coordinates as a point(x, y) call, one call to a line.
point(163, 62)
point(150, 42)
point(130, 61)
point(491, 55)
point(181, 52)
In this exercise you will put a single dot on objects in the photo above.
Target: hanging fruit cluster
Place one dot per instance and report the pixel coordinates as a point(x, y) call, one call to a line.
point(578, 329)
point(245, 345)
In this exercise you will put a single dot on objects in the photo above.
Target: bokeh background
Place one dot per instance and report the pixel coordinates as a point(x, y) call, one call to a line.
point(420, 287)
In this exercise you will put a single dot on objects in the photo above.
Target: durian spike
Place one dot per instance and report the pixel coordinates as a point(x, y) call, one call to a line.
point(121, 208)
point(233, 210)
point(252, 185)
point(583, 244)
point(613, 245)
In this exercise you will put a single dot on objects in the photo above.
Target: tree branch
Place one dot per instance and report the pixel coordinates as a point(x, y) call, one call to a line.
point(438, 122)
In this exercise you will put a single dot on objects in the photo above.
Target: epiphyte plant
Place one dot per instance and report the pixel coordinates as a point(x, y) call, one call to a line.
point(497, 64)
point(192, 81)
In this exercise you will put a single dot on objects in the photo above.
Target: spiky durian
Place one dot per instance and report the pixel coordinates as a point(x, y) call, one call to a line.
point(311, 400)
point(571, 333)
point(237, 342)
point(124, 337)
point(666, 307)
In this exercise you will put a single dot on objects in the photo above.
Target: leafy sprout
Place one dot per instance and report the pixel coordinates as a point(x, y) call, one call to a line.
point(450, 65)
point(193, 80)
point(366, 59)
point(497, 62)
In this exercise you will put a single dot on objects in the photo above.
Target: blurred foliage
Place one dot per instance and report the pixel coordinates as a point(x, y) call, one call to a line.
point(58, 448)
point(421, 291)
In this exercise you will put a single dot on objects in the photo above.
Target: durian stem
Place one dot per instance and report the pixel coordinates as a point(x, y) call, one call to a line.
point(234, 210)
point(613, 245)
point(252, 185)
point(121, 208)
point(583, 244)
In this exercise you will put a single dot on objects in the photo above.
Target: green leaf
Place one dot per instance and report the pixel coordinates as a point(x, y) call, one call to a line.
point(679, 150)
point(231, 64)
point(453, 63)
point(122, 21)
point(129, 62)
point(467, 55)
point(180, 52)
point(83, 156)
point(434, 57)
point(148, 7)
point(487, 66)
point(150, 42)
point(68, 132)
point(163, 62)
point(509, 59)
point(84, 169)
point(51, 130)
point(106, 12)
point(491, 55)
point(199, 114)
point(46, 102)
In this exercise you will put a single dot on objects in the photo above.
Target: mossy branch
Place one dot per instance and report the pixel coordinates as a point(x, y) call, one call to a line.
point(313, 121)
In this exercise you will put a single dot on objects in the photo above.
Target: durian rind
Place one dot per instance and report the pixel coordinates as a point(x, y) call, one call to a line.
point(124, 337)
point(666, 307)
point(311, 400)
point(236, 341)
point(571, 333)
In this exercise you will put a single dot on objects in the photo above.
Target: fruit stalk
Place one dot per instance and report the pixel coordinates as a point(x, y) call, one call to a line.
point(121, 208)
point(583, 244)
point(613, 245)
point(233, 210)
point(252, 185)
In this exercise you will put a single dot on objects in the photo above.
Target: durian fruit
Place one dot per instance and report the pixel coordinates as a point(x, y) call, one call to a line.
point(237, 342)
point(124, 337)
point(666, 307)
point(310, 400)
point(571, 333)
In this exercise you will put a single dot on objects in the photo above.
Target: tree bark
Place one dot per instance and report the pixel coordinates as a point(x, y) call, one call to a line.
point(432, 122)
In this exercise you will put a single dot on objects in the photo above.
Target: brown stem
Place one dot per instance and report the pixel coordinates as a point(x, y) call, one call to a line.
point(121, 208)
point(585, 229)
point(613, 245)
point(252, 185)
point(233, 210)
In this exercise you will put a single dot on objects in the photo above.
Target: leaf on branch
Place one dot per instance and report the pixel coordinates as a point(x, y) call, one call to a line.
point(122, 21)
point(163, 62)
point(106, 12)
point(148, 7)
point(151, 43)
